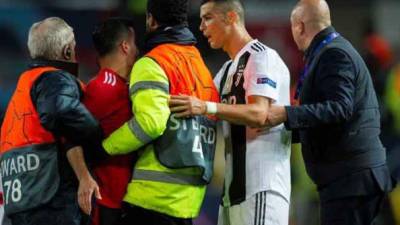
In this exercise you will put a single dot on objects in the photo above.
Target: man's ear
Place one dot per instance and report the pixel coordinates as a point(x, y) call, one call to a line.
point(125, 46)
point(232, 17)
point(302, 27)
point(151, 22)
point(67, 52)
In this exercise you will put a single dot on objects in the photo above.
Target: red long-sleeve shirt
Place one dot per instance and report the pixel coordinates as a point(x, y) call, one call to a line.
point(107, 98)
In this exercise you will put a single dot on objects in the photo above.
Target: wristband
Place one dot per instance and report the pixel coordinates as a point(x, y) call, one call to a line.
point(211, 108)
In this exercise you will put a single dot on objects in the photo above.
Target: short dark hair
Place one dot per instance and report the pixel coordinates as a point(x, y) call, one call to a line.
point(169, 12)
point(107, 34)
point(228, 5)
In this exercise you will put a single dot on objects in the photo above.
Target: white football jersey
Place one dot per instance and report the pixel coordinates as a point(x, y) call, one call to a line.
point(255, 162)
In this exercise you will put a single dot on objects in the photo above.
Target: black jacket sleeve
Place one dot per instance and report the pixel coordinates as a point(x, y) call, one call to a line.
point(1, 117)
point(57, 97)
point(335, 89)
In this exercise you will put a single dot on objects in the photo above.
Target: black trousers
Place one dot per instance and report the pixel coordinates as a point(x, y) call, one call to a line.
point(134, 215)
point(357, 210)
point(63, 209)
point(109, 216)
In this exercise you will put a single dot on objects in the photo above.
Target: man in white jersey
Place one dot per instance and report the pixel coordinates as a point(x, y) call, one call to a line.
point(257, 173)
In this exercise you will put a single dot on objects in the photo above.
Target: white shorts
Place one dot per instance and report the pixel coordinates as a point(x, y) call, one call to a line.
point(263, 208)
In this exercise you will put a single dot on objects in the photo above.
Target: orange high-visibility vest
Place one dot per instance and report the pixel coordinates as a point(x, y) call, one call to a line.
point(188, 75)
point(21, 126)
point(186, 71)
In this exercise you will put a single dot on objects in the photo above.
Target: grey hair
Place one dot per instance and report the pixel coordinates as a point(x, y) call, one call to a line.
point(48, 38)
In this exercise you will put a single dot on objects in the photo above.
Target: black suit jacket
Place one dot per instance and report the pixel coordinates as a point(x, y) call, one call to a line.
point(338, 121)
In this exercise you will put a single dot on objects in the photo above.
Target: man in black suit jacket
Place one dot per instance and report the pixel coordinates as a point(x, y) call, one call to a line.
point(337, 121)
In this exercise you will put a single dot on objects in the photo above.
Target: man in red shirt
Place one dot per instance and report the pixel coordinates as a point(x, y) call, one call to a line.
point(107, 98)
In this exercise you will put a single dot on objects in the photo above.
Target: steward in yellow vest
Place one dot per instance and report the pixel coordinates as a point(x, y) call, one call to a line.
point(176, 156)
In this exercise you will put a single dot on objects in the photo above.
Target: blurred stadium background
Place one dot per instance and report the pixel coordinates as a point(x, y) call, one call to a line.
point(372, 26)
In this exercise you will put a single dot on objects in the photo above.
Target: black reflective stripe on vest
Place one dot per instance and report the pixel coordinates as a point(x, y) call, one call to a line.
point(237, 188)
point(173, 178)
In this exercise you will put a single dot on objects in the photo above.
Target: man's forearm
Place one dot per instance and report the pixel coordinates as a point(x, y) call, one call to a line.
point(253, 114)
point(77, 162)
point(87, 185)
point(243, 114)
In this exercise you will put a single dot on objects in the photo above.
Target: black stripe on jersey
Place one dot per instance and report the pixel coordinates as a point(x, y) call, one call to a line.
point(260, 208)
point(256, 209)
point(263, 209)
point(256, 46)
point(237, 188)
point(223, 79)
point(260, 45)
point(255, 49)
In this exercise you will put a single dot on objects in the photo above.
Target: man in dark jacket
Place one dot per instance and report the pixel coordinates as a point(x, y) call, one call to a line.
point(45, 110)
point(337, 120)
